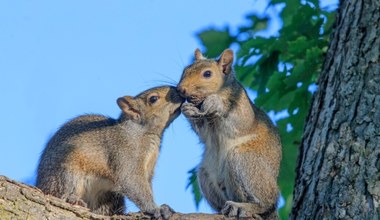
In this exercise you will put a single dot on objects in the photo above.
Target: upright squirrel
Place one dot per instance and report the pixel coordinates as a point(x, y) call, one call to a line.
point(240, 165)
point(94, 160)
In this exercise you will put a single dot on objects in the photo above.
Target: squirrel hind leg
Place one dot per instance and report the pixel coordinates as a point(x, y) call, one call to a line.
point(74, 200)
point(111, 203)
point(70, 188)
point(215, 197)
point(62, 184)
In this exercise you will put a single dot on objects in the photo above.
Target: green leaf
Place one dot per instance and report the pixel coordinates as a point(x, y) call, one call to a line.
point(298, 74)
point(291, 8)
point(276, 81)
point(193, 183)
point(298, 46)
point(258, 23)
point(267, 66)
point(215, 41)
point(268, 101)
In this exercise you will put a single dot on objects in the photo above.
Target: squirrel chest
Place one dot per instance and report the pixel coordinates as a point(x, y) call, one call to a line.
point(220, 138)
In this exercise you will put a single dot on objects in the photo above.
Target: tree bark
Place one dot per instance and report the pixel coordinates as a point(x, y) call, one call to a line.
point(20, 201)
point(338, 171)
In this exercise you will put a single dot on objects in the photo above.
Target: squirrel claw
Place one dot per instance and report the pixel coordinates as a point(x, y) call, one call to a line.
point(232, 209)
point(229, 210)
point(166, 211)
point(74, 200)
point(162, 212)
point(191, 111)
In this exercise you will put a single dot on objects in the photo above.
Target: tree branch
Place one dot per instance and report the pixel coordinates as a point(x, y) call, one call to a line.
point(21, 201)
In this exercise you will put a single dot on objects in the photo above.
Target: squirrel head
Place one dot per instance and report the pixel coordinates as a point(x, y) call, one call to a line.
point(153, 108)
point(205, 76)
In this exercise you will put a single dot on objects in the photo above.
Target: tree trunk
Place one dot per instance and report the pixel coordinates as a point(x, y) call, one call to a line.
point(20, 201)
point(338, 171)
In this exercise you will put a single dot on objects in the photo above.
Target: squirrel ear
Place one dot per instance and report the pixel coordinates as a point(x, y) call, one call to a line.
point(198, 55)
point(225, 61)
point(129, 107)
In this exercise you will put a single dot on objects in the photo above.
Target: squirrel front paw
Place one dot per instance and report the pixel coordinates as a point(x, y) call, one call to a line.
point(212, 105)
point(191, 111)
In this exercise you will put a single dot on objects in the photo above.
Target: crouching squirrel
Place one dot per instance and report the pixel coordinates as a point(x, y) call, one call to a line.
point(95, 161)
point(240, 165)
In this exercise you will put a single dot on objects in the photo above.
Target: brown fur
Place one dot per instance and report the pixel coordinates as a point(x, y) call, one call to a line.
point(94, 160)
point(240, 165)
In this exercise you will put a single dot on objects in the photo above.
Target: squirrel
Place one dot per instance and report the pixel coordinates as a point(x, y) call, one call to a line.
point(94, 161)
point(240, 164)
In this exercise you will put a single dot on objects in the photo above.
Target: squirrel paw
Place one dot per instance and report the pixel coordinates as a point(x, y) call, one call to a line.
point(166, 211)
point(212, 105)
point(234, 209)
point(74, 200)
point(162, 212)
point(191, 111)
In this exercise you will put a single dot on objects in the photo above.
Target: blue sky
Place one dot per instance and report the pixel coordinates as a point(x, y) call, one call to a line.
point(60, 59)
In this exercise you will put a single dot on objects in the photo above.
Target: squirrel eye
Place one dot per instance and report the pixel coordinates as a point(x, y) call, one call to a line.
point(153, 99)
point(207, 74)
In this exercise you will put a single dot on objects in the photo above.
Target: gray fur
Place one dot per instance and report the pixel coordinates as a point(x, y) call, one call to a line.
point(240, 164)
point(95, 161)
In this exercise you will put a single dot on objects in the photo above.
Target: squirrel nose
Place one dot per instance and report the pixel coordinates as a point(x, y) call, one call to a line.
point(182, 91)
